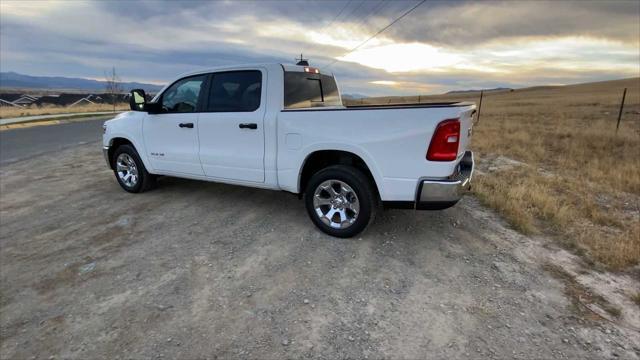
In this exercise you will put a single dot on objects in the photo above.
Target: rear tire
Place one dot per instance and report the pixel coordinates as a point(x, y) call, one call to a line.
point(341, 201)
point(130, 171)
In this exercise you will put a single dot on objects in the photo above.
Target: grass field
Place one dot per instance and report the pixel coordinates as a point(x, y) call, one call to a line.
point(551, 163)
point(11, 112)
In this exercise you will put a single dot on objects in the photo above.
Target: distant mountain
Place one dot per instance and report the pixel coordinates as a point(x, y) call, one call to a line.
point(20, 81)
point(485, 90)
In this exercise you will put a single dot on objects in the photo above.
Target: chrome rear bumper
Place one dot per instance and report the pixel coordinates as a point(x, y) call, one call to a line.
point(444, 193)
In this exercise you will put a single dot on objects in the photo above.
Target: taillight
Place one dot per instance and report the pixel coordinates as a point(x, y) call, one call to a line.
point(445, 141)
point(309, 69)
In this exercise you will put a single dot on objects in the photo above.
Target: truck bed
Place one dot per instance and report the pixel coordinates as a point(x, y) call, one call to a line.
point(391, 139)
point(388, 106)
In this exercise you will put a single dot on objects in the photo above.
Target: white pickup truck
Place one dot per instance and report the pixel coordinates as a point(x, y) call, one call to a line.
point(284, 127)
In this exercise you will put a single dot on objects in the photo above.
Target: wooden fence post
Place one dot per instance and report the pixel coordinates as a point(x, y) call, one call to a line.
point(624, 94)
point(479, 107)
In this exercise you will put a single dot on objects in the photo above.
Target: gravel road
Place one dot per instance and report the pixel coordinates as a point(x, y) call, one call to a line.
point(199, 270)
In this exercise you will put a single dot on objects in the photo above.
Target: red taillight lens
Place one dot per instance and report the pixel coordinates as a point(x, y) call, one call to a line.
point(445, 141)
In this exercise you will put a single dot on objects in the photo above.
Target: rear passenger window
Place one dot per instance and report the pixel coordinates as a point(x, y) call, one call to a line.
point(235, 91)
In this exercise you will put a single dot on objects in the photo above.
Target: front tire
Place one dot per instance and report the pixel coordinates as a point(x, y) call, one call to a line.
point(130, 171)
point(340, 201)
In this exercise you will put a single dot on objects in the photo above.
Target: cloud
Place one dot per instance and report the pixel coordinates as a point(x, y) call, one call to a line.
point(441, 46)
point(469, 23)
point(501, 57)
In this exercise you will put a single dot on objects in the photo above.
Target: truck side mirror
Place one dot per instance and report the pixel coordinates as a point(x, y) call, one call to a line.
point(137, 100)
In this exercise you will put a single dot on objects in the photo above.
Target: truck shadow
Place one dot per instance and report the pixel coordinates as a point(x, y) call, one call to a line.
point(286, 208)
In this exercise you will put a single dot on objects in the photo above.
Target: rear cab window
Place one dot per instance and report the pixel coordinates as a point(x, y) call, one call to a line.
point(309, 89)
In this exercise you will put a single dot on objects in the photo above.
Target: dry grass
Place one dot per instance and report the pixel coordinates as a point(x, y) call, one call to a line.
point(11, 112)
point(581, 181)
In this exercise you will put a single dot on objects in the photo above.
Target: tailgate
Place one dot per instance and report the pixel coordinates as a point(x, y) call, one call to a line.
point(466, 125)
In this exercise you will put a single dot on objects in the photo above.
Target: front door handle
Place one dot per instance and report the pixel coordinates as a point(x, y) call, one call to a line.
point(251, 126)
point(186, 125)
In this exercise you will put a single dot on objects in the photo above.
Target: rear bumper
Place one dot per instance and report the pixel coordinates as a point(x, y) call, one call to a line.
point(438, 194)
point(441, 194)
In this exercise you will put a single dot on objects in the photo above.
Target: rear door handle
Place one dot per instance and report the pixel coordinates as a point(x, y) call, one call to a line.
point(251, 126)
point(186, 125)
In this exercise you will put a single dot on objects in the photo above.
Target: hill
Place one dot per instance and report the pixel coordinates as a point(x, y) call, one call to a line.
point(14, 80)
point(478, 90)
point(609, 88)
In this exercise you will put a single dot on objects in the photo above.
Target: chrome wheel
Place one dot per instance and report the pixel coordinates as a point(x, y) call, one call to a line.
point(336, 204)
point(127, 170)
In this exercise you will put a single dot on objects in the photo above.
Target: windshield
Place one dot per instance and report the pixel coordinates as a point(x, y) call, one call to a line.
point(304, 90)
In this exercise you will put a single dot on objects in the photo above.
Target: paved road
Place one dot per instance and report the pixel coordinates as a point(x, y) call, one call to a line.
point(19, 144)
point(50, 116)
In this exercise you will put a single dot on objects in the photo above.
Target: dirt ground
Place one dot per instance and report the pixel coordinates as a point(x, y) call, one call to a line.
point(199, 270)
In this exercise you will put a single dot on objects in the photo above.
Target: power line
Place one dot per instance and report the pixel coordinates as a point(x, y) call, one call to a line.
point(374, 10)
point(380, 31)
point(336, 17)
point(340, 13)
point(353, 11)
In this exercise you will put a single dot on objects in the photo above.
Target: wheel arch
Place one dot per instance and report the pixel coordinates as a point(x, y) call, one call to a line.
point(117, 141)
point(320, 159)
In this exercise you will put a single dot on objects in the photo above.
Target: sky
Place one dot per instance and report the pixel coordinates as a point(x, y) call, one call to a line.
point(440, 46)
